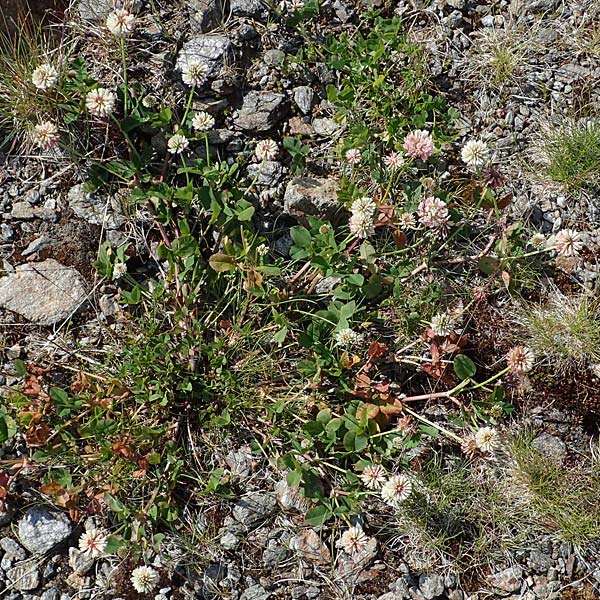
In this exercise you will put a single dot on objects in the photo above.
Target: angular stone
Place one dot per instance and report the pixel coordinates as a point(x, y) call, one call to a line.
point(507, 581)
point(45, 292)
point(550, 446)
point(94, 208)
point(290, 498)
point(308, 545)
point(431, 585)
point(254, 508)
point(24, 576)
point(205, 14)
point(268, 172)
point(211, 50)
point(249, 8)
point(79, 561)
point(22, 210)
point(255, 592)
point(308, 196)
point(326, 127)
point(303, 97)
point(12, 549)
point(261, 111)
point(42, 528)
point(98, 10)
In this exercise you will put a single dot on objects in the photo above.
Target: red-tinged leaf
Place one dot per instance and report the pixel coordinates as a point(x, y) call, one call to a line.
point(391, 409)
point(38, 435)
point(377, 350)
point(400, 238)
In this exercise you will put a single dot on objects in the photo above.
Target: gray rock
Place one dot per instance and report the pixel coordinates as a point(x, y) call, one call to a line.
point(327, 284)
point(24, 576)
point(268, 172)
point(310, 196)
point(539, 561)
point(255, 592)
point(254, 508)
point(42, 528)
point(7, 233)
point(274, 554)
point(309, 547)
point(22, 211)
point(12, 549)
point(550, 446)
point(6, 512)
point(98, 10)
point(249, 8)
point(212, 50)
point(261, 111)
point(38, 244)
point(431, 585)
point(326, 127)
point(274, 58)
point(45, 292)
point(79, 561)
point(303, 97)
point(229, 540)
point(50, 594)
point(507, 581)
point(348, 568)
point(205, 14)
point(96, 209)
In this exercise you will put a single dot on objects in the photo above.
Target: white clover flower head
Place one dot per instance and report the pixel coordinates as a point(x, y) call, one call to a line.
point(419, 144)
point(362, 219)
point(353, 156)
point(149, 101)
point(194, 73)
point(568, 242)
point(433, 213)
point(475, 153)
point(396, 489)
point(486, 439)
point(262, 250)
point(406, 220)
point(202, 121)
point(373, 476)
point(520, 359)
point(442, 324)
point(394, 160)
point(348, 338)
point(144, 579)
point(177, 143)
point(100, 102)
point(537, 240)
point(93, 542)
point(119, 269)
point(44, 77)
point(120, 22)
point(45, 135)
point(353, 540)
point(266, 150)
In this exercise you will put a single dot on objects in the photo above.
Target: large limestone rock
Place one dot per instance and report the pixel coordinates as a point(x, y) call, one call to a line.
point(44, 292)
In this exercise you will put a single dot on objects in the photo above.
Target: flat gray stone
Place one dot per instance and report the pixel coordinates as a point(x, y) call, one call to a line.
point(431, 585)
point(309, 196)
point(50, 594)
point(211, 50)
point(550, 446)
point(98, 10)
point(12, 549)
point(507, 581)
point(255, 592)
point(303, 97)
point(254, 508)
point(24, 576)
point(43, 528)
point(22, 211)
point(205, 14)
point(44, 292)
point(261, 111)
point(96, 209)
point(80, 561)
point(268, 172)
point(249, 8)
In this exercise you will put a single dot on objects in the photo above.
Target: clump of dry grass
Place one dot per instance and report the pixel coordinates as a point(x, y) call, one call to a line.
point(564, 332)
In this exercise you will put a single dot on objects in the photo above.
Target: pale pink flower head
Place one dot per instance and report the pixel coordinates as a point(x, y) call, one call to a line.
point(373, 476)
point(568, 242)
point(419, 144)
point(120, 22)
point(433, 213)
point(100, 102)
point(353, 540)
point(266, 150)
point(93, 542)
point(520, 359)
point(45, 135)
point(397, 489)
point(393, 161)
point(353, 156)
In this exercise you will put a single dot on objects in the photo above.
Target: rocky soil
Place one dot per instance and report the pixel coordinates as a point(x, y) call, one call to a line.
point(51, 304)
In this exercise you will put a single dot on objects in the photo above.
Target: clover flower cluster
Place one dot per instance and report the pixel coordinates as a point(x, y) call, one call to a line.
point(266, 150)
point(362, 219)
point(348, 338)
point(120, 22)
point(475, 153)
point(433, 213)
point(419, 144)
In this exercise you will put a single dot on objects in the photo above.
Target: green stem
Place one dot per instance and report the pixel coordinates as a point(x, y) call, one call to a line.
point(207, 148)
point(187, 107)
point(125, 85)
